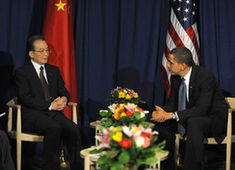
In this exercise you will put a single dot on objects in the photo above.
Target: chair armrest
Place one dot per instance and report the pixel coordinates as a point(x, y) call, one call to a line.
point(74, 111)
point(231, 110)
point(11, 104)
point(72, 104)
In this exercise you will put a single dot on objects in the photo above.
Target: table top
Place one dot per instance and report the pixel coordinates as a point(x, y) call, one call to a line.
point(86, 152)
point(95, 124)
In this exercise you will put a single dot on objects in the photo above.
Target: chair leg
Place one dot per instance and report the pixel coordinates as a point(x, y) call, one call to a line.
point(177, 144)
point(228, 156)
point(159, 165)
point(18, 154)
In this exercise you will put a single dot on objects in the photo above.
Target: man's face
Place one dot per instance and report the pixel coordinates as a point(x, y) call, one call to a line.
point(40, 53)
point(174, 67)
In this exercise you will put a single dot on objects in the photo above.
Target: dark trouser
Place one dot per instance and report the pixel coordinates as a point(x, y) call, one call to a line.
point(167, 132)
point(197, 129)
point(56, 128)
point(6, 162)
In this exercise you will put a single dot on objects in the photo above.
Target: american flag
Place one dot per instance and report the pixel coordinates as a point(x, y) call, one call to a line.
point(182, 31)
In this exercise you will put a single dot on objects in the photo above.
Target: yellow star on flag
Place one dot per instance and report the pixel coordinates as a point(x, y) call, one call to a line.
point(60, 6)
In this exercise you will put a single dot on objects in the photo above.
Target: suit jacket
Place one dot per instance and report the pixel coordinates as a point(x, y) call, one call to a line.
point(30, 91)
point(205, 99)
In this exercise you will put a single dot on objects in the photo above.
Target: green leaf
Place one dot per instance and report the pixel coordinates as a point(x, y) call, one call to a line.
point(144, 124)
point(116, 166)
point(112, 153)
point(103, 113)
point(137, 115)
point(108, 123)
point(124, 157)
point(103, 159)
point(94, 151)
point(104, 119)
point(115, 94)
point(140, 161)
point(151, 160)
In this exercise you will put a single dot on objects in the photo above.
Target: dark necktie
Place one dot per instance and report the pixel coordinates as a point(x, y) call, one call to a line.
point(44, 84)
point(182, 104)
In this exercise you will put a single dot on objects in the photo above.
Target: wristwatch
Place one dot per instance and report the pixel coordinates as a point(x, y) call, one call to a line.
point(173, 116)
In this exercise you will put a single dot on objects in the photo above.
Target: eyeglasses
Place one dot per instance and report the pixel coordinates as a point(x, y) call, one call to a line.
point(43, 50)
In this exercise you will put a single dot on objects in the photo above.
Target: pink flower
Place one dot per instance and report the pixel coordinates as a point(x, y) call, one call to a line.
point(147, 142)
point(105, 141)
point(130, 107)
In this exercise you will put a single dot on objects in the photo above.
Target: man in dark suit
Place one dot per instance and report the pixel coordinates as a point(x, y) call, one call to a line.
point(6, 162)
point(204, 111)
point(42, 94)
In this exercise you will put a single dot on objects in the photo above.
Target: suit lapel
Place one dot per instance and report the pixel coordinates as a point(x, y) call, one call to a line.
point(34, 77)
point(34, 74)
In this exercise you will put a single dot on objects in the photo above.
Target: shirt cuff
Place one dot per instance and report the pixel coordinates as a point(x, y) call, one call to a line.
point(50, 107)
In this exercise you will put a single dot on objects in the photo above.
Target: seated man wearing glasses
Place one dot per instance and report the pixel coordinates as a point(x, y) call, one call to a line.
point(42, 94)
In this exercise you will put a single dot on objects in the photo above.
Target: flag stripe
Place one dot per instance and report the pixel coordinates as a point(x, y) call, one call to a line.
point(182, 31)
point(192, 35)
point(174, 36)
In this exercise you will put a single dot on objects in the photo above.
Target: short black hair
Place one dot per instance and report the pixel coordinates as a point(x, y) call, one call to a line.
point(182, 55)
point(31, 40)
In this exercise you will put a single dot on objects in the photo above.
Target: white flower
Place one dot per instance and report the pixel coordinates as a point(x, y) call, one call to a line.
point(139, 141)
point(142, 114)
point(127, 131)
point(112, 107)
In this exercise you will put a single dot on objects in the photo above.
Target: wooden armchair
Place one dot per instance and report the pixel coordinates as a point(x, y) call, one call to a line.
point(18, 133)
point(228, 140)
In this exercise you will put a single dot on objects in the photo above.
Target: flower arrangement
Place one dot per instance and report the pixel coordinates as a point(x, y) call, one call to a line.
point(127, 146)
point(123, 114)
point(124, 95)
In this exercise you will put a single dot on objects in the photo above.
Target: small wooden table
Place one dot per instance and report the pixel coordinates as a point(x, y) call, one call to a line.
point(97, 124)
point(91, 159)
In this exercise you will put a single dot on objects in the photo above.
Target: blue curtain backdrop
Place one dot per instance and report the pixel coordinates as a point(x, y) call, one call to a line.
point(120, 42)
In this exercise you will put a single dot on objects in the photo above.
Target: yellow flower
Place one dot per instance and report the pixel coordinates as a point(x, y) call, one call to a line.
point(116, 115)
point(128, 96)
point(135, 129)
point(121, 94)
point(117, 137)
point(122, 114)
point(136, 95)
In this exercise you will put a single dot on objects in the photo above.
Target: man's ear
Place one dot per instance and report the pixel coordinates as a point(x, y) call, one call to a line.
point(183, 66)
point(31, 54)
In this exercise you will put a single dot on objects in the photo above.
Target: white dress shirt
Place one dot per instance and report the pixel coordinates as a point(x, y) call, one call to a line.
point(187, 80)
point(37, 68)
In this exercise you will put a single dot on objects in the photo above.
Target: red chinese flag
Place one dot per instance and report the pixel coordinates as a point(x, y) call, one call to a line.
point(58, 32)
